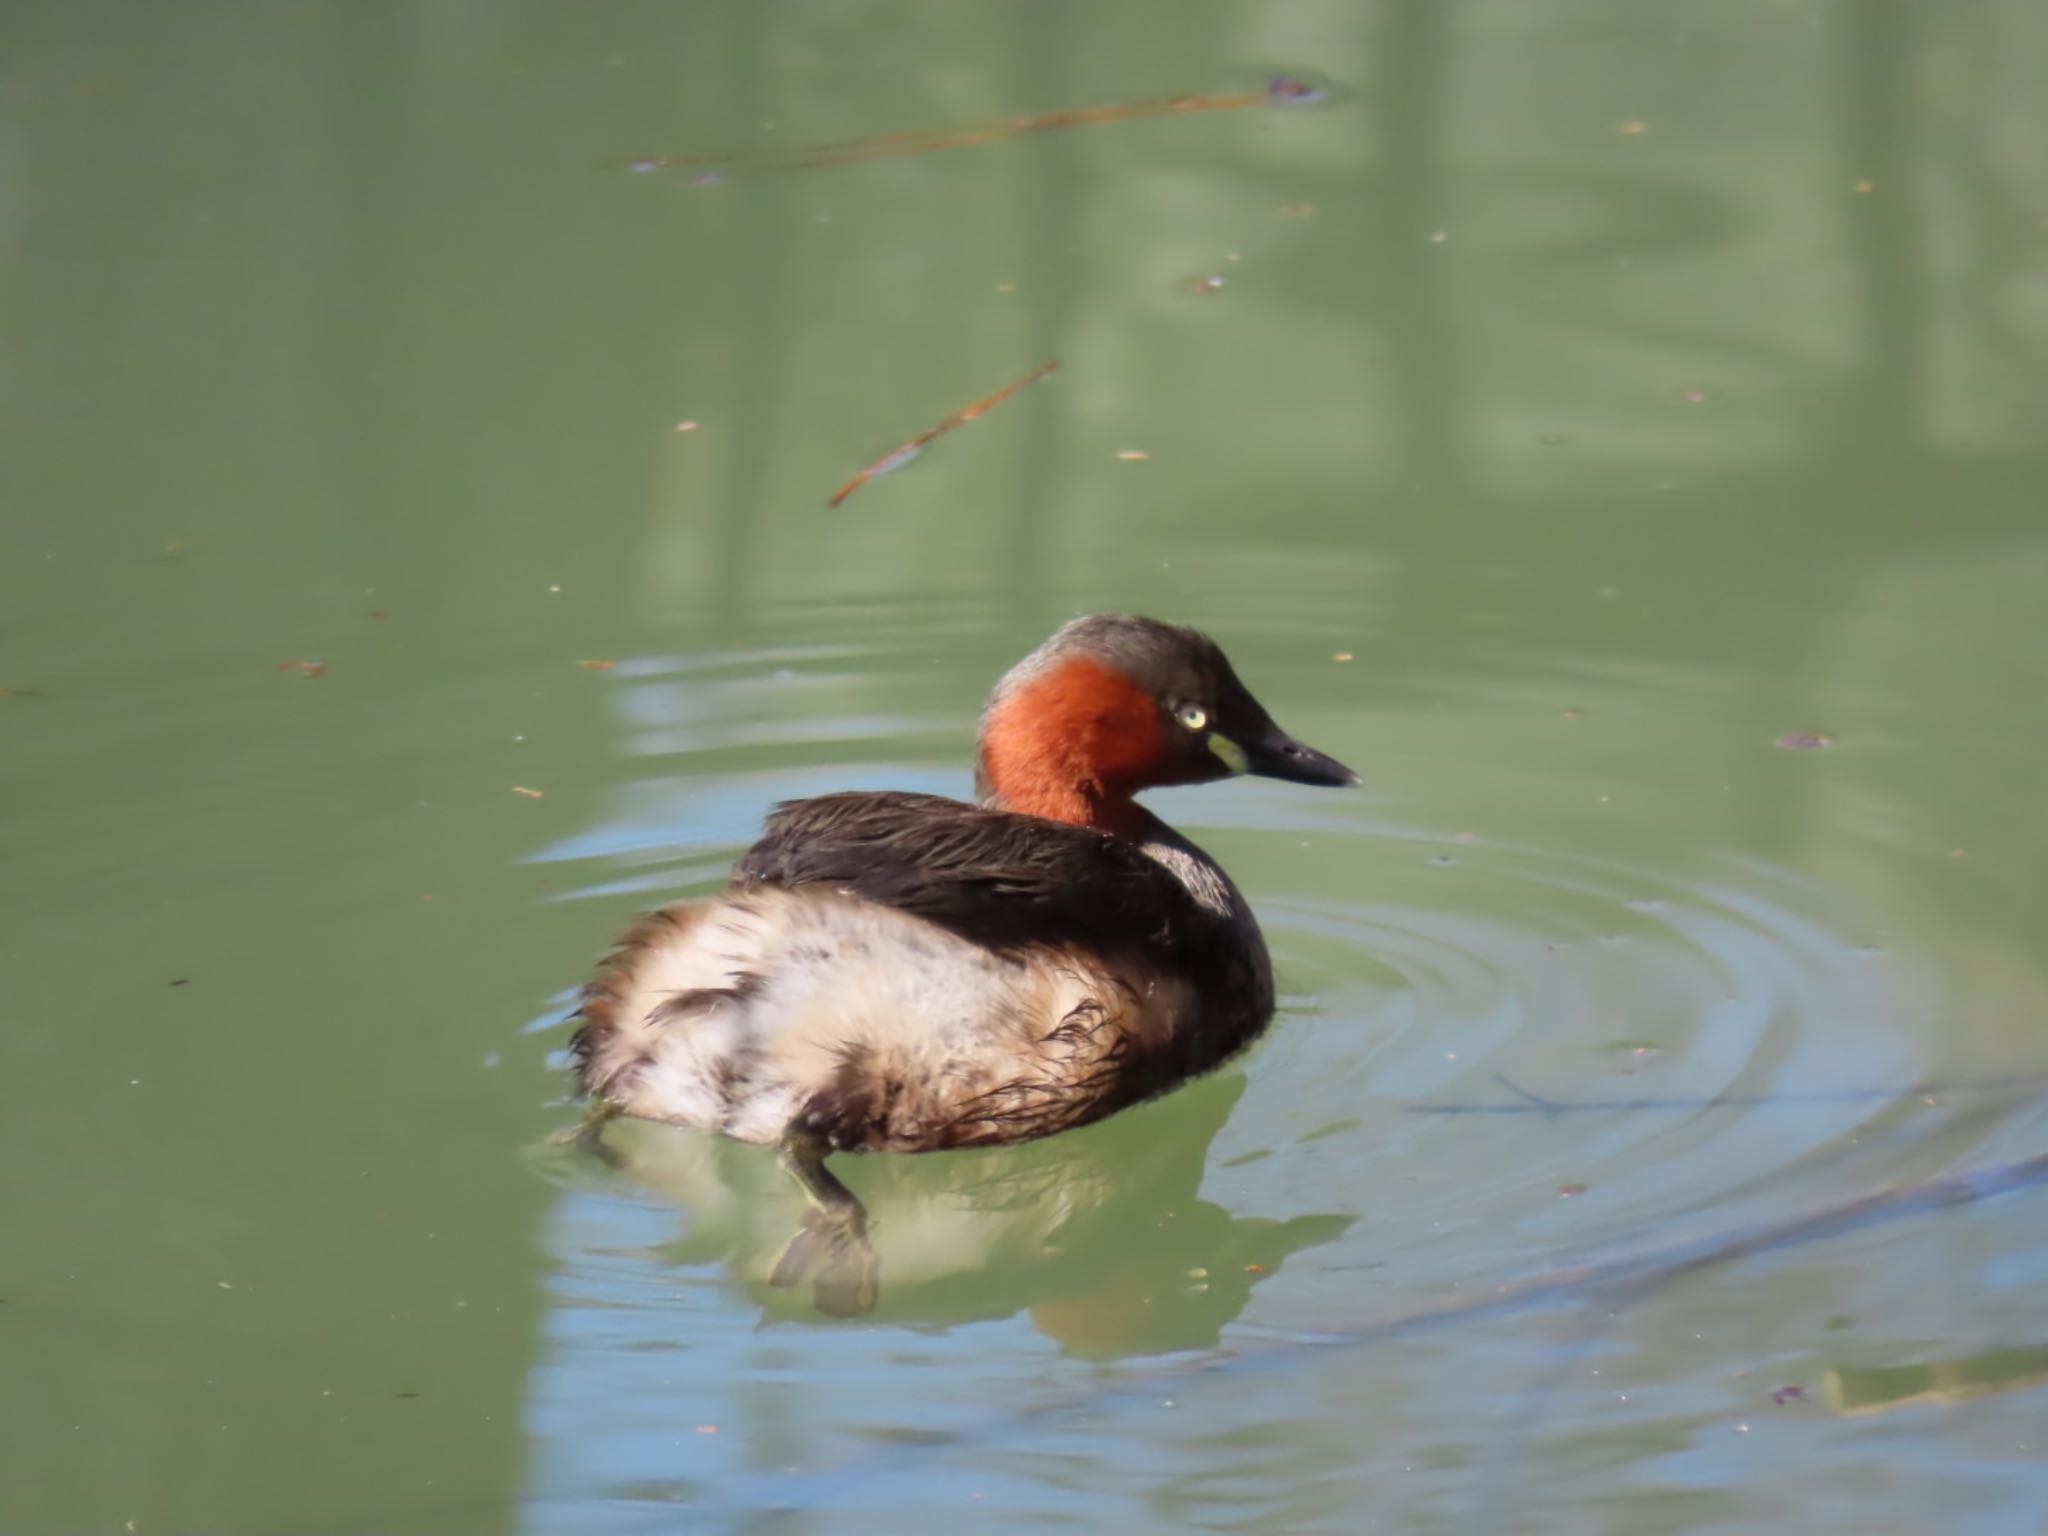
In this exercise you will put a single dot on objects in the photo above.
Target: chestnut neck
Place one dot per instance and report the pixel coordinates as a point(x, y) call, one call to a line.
point(1072, 743)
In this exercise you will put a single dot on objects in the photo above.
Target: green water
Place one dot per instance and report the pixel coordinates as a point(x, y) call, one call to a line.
point(1623, 388)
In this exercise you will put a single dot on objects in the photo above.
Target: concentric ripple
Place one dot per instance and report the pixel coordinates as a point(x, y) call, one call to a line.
point(1524, 1041)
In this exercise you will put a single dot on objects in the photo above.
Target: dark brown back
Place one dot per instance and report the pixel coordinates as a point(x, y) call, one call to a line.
point(992, 877)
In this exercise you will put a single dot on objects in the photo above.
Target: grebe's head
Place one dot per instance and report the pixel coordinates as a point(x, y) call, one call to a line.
point(1113, 704)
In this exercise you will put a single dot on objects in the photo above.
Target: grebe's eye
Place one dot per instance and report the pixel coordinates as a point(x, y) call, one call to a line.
point(1193, 716)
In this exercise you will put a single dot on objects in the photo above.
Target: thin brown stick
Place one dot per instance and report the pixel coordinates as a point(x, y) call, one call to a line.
point(918, 141)
point(904, 452)
point(1284, 90)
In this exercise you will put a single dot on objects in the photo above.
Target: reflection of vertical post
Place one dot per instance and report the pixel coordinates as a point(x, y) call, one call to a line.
point(1416, 308)
point(374, 413)
point(755, 351)
point(1881, 228)
point(1018, 584)
point(1876, 412)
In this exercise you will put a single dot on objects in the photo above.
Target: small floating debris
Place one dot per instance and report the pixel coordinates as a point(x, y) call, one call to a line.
point(1803, 741)
point(1343, 656)
point(1634, 128)
point(530, 794)
point(1283, 90)
point(1570, 1191)
point(19, 693)
point(303, 668)
point(898, 457)
point(1791, 1392)
point(1293, 91)
point(597, 664)
point(1297, 210)
point(1201, 286)
point(1133, 455)
point(686, 426)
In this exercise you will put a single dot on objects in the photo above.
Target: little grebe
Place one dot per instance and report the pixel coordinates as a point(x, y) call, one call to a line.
point(905, 973)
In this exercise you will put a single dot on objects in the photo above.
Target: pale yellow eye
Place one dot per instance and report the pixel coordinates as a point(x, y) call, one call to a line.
point(1193, 716)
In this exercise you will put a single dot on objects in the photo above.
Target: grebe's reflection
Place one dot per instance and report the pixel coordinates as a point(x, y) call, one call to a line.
point(1100, 1235)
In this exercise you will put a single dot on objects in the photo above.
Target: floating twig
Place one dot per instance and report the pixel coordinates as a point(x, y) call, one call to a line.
point(1281, 90)
point(901, 455)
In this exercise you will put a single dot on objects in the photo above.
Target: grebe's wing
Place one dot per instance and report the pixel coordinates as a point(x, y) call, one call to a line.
point(992, 877)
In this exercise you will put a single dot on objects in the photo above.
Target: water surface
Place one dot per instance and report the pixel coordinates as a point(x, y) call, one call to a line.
point(1615, 431)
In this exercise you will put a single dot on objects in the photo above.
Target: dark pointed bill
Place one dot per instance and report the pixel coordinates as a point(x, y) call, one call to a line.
point(1277, 755)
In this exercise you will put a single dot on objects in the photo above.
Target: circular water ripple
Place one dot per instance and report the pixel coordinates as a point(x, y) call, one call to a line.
point(1524, 1044)
point(711, 740)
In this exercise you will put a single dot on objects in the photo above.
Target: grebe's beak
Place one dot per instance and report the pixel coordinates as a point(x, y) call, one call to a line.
point(1277, 755)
